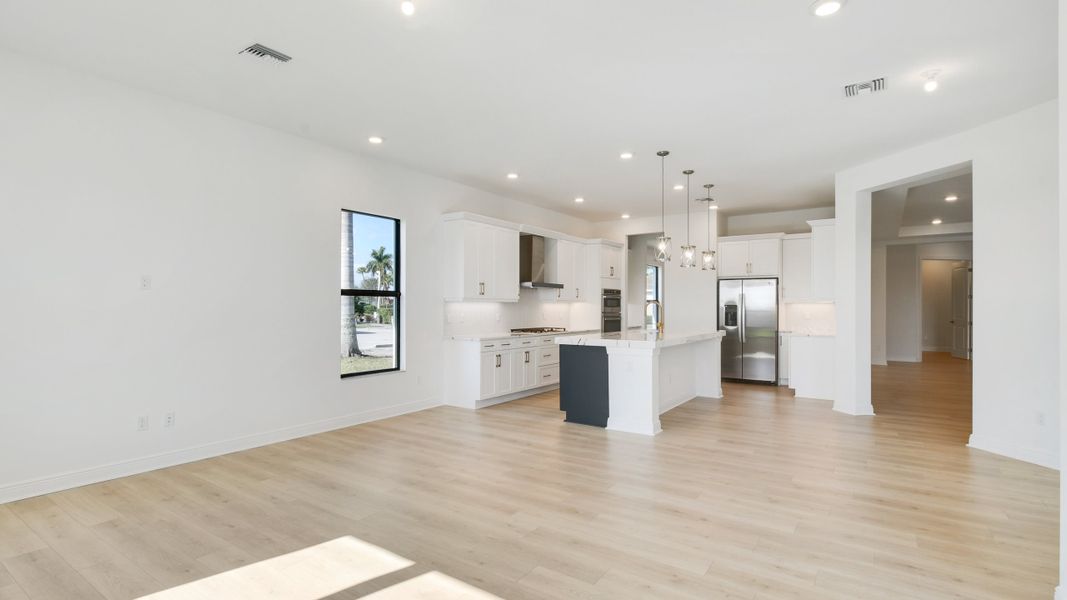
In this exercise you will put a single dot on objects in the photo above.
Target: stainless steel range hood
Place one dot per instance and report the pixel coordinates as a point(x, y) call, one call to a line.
point(532, 262)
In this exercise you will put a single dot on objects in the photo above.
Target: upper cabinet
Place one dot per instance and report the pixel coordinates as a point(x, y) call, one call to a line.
point(481, 259)
point(808, 264)
point(610, 262)
point(796, 268)
point(823, 252)
point(750, 257)
point(565, 263)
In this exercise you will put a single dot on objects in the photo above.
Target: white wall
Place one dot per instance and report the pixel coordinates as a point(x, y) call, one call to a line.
point(689, 295)
point(1015, 197)
point(786, 221)
point(903, 308)
point(878, 305)
point(1061, 591)
point(937, 304)
point(238, 227)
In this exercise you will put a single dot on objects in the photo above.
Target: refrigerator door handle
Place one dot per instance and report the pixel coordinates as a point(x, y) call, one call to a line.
point(741, 322)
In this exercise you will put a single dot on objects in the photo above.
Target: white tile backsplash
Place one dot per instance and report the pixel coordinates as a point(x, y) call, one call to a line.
point(478, 318)
point(809, 319)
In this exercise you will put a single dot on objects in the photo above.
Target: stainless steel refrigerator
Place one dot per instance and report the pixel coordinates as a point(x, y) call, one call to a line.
point(748, 313)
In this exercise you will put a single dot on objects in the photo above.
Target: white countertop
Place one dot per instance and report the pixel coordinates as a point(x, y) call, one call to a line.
point(638, 339)
point(486, 337)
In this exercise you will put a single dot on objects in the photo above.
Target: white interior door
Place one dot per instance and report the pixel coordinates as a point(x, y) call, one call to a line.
point(962, 320)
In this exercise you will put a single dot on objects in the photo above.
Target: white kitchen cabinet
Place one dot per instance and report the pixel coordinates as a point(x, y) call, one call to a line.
point(480, 373)
point(823, 252)
point(610, 262)
point(523, 368)
point(796, 268)
point(750, 257)
point(481, 261)
point(733, 259)
point(784, 350)
point(811, 366)
point(565, 263)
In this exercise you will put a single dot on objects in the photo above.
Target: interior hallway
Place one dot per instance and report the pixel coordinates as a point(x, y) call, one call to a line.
point(759, 495)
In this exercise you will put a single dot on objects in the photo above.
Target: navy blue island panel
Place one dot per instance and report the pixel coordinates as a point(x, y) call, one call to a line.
point(583, 384)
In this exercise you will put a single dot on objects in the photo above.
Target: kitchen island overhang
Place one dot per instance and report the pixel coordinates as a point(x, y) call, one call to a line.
point(649, 374)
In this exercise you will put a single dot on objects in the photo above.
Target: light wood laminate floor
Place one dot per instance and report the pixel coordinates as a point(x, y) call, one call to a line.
point(758, 495)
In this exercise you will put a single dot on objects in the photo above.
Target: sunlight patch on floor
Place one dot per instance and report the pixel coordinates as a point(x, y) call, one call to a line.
point(308, 574)
point(432, 585)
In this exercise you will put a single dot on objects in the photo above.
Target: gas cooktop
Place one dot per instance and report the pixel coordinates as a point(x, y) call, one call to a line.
point(535, 330)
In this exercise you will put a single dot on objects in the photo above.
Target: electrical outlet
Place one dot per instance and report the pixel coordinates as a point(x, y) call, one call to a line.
point(168, 420)
point(142, 423)
point(146, 282)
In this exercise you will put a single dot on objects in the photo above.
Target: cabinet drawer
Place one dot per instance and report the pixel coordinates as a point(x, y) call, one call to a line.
point(548, 341)
point(548, 355)
point(548, 375)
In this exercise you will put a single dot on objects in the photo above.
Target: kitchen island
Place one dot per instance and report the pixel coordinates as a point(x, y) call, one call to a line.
point(647, 374)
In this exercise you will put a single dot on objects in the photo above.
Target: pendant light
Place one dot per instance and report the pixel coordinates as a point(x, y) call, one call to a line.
point(663, 242)
point(708, 256)
point(689, 251)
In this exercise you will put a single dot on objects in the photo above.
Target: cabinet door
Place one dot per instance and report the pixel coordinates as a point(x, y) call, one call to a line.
point(483, 259)
point(796, 269)
point(581, 290)
point(504, 281)
point(610, 262)
point(487, 372)
point(518, 370)
point(764, 257)
point(733, 259)
point(823, 257)
point(502, 373)
point(567, 255)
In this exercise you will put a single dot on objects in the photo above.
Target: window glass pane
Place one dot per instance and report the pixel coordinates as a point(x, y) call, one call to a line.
point(368, 252)
point(368, 334)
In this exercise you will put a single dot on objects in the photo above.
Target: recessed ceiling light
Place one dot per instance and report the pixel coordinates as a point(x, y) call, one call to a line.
point(626, 155)
point(407, 7)
point(935, 222)
point(579, 200)
point(679, 187)
point(375, 139)
point(931, 84)
point(825, 8)
point(626, 216)
point(513, 175)
point(713, 207)
point(952, 198)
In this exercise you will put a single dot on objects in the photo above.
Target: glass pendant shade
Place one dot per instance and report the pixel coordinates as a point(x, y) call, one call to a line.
point(709, 260)
point(663, 249)
point(689, 254)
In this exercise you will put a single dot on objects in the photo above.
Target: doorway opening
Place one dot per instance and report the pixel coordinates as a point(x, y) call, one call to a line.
point(922, 300)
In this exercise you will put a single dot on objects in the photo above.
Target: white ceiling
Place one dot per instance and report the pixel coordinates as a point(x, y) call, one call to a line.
point(927, 202)
point(746, 93)
point(910, 209)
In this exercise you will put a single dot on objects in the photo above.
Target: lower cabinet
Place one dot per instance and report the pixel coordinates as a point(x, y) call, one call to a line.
point(477, 372)
point(523, 369)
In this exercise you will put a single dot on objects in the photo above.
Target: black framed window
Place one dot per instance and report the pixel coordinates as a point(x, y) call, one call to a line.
point(370, 294)
point(652, 292)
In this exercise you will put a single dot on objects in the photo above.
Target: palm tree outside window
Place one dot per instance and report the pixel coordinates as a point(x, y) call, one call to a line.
point(370, 295)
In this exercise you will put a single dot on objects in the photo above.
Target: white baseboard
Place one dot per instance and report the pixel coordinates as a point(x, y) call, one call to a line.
point(1023, 453)
point(513, 396)
point(855, 411)
point(73, 479)
point(937, 348)
point(1061, 593)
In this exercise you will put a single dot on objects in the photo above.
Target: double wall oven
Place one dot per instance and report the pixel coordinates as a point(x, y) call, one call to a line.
point(611, 311)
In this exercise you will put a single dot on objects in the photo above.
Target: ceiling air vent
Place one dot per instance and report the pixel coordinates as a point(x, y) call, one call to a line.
point(865, 87)
point(264, 52)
